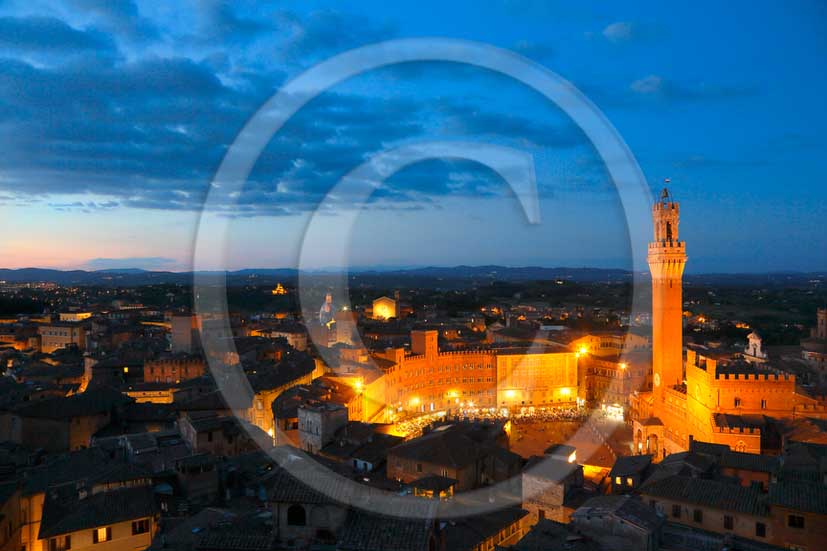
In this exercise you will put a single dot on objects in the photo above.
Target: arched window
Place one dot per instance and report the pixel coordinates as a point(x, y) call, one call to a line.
point(296, 516)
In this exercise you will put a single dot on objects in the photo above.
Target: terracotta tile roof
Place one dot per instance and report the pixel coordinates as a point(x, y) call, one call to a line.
point(370, 532)
point(750, 462)
point(630, 464)
point(91, 402)
point(811, 498)
point(234, 541)
point(65, 468)
point(467, 533)
point(457, 445)
point(269, 376)
point(724, 496)
point(102, 509)
point(627, 508)
point(548, 535)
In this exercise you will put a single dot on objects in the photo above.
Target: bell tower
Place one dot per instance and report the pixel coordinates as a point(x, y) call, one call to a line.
point(667, 258)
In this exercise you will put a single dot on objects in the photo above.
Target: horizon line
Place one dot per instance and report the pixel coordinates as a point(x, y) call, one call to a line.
point(385, 268)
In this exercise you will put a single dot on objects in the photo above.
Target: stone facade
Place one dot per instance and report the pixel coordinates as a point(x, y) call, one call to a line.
point(318, 424)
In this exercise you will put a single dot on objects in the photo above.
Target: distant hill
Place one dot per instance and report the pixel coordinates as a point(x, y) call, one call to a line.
point(504, 273)
point(431, 276)
point(115, 277)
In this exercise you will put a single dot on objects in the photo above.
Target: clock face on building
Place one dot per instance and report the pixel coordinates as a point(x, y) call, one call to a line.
point(657, 379)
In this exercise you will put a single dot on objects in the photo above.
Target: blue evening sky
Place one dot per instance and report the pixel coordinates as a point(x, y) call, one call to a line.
point(114, 116)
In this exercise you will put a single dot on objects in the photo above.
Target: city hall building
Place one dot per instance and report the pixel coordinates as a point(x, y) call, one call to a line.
point(696, 397)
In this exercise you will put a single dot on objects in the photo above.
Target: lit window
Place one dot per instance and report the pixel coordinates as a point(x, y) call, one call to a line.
point(100, 535)
point(629, 481)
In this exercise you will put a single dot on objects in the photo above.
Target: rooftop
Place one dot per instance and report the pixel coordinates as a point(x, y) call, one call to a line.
point(91, 402)
point(715, 494)
point(630, 464)
point(101, 509)
point(467, 533)
point(627, 508)
point(800, 496)
point(365, 531)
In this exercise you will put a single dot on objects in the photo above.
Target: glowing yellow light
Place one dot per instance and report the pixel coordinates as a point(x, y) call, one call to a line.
point(126, 370)
point(414, 401)
point(382, 311)
point(510, 394)
point(583, 350)
point(359, 384)
point(271, 433)
point(565, 392)
point(470, 404)
point(623, 365)
point(279, 290)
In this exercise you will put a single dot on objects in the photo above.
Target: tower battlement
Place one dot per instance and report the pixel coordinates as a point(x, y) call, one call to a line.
point(666, 215)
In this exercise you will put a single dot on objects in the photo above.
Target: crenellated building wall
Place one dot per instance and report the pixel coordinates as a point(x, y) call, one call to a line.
point(701, 398)
point(430, 380)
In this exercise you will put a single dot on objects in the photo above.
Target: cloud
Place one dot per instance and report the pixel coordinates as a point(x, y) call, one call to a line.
point(652, 84)
point(324, 32)
point(48, 34)
point(624, 32)
point(82, 206)
point(132, 262)
point(619, 31)
point(465, 118)
point(660, 87)
point(220, 22)
point(121, 17)
point(147, 130)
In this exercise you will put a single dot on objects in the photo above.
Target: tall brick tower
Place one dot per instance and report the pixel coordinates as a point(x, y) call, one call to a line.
point(667, 258)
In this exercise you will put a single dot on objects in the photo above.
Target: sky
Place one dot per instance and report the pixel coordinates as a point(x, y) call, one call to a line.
point(115, 116)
